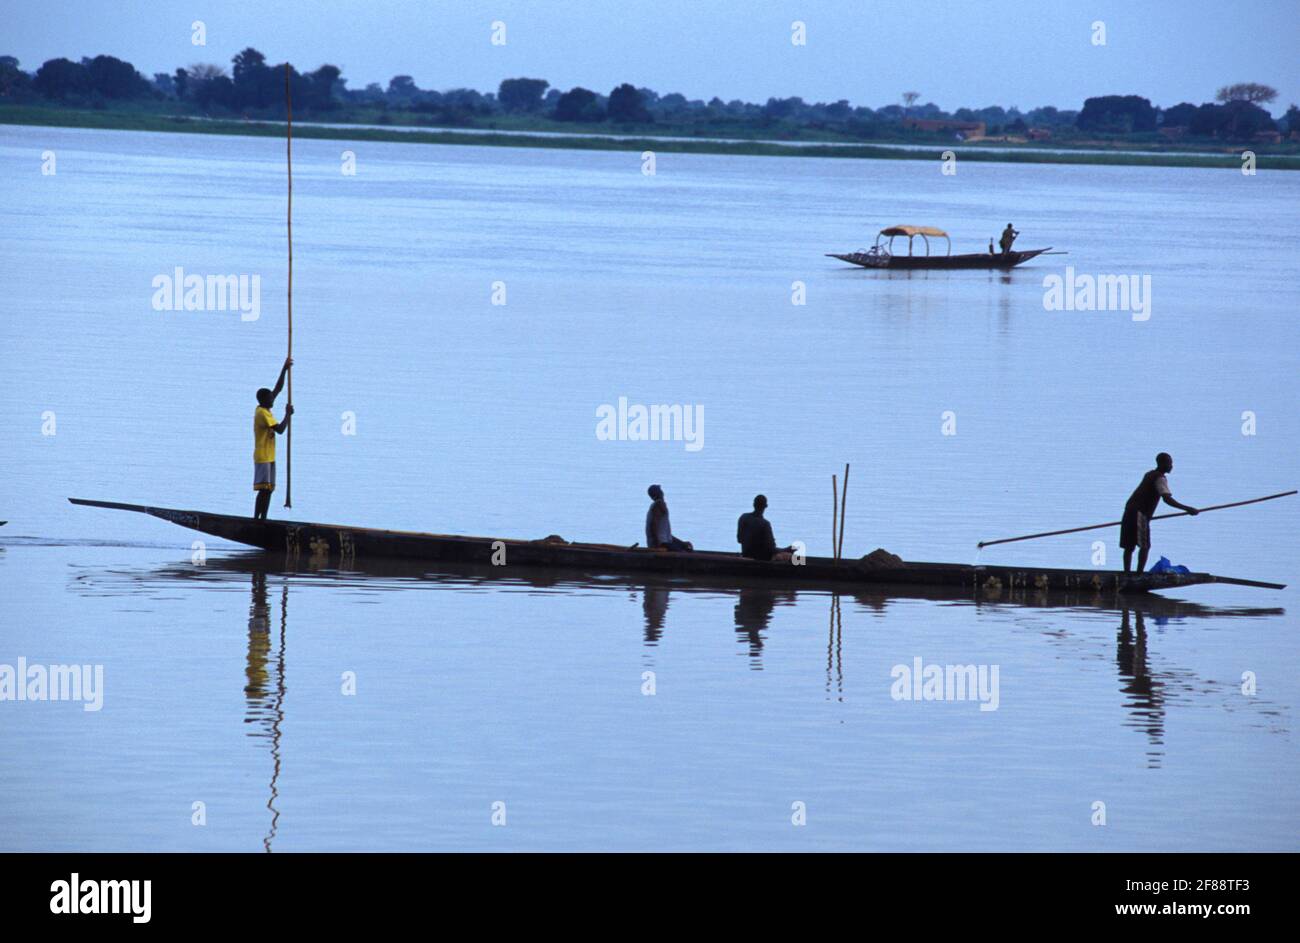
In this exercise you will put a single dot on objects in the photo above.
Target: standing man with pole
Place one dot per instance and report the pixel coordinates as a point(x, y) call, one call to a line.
point(1135, 526)
point(1008, 237)
point(265, 429)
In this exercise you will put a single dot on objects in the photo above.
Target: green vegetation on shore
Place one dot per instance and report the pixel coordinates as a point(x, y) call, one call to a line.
point(151, 121)
point(107, 92)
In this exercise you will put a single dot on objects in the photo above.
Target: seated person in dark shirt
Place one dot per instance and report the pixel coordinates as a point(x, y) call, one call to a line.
point(754, 534)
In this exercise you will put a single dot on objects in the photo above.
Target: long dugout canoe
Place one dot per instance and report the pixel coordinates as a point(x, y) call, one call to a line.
point(972, 260)
point(298, 539)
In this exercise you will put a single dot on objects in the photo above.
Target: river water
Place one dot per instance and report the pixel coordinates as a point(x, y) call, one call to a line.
point(384, 709)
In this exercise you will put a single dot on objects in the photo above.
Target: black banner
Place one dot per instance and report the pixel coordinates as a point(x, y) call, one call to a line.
point(136, 892)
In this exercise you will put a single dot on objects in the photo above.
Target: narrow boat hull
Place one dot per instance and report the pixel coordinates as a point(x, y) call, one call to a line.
point(973, 260)
point(300, 540)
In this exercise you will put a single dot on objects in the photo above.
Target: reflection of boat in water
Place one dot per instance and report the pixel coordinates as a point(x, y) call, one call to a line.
point(658, 588)
point(298, 540)
point(881, 255)
point(1148, 690)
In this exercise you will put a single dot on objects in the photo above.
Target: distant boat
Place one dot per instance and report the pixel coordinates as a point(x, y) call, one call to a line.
point(345, 545)
point(881, 255)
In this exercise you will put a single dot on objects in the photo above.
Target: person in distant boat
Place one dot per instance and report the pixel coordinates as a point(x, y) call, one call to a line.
point(658, 529)
point(1135, 526)
point(1008, 237)
point(754, 534)
point(265, 429)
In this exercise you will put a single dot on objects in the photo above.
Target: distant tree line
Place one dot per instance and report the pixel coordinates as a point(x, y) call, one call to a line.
point(1236, 116)
point(251, 84)
point(252, 87)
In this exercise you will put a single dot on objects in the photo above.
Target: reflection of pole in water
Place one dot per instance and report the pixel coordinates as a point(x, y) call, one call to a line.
point(1146, 693)
point(834, 657)
point(264, 691)
point(279, 718)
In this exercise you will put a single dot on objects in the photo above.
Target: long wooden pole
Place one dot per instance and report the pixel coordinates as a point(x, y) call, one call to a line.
point(288, 161)
point(1158, 517)
point(835, 521)
point(844, 501)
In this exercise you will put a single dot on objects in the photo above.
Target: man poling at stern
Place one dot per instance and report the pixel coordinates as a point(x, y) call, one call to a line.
point(265, 430)
point(1008, 236)
point(1135, 526)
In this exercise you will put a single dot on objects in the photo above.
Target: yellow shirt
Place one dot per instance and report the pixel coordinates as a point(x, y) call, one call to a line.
point(263, 435)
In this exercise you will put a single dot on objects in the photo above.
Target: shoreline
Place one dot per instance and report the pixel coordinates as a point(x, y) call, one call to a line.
point(411, 134)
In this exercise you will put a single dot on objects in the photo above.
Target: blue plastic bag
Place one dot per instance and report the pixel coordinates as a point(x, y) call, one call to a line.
point(1164, 566)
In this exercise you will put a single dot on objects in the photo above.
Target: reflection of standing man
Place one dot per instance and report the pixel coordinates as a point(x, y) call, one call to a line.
point(264, 692)
point(259, 644)
point(1147, 694)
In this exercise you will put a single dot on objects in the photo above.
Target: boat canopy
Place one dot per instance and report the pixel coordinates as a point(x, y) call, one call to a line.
point(911, 232)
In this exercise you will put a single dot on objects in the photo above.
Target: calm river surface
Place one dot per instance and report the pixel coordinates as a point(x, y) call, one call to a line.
point(424, 406)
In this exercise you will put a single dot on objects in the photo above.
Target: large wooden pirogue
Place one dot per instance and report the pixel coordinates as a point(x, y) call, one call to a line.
point(299, 539)
point(881, 255)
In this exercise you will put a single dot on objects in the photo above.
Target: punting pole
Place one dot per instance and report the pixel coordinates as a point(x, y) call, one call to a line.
point(835, 521)
point(1158, 517)
point(288, 162)
point(844, 500)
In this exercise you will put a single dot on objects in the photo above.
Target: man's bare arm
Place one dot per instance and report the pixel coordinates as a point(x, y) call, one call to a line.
point(1169, 500)
point(284, 423)
point(279, 384)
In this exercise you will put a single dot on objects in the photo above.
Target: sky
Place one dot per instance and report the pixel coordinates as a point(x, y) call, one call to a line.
point(970, 53)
